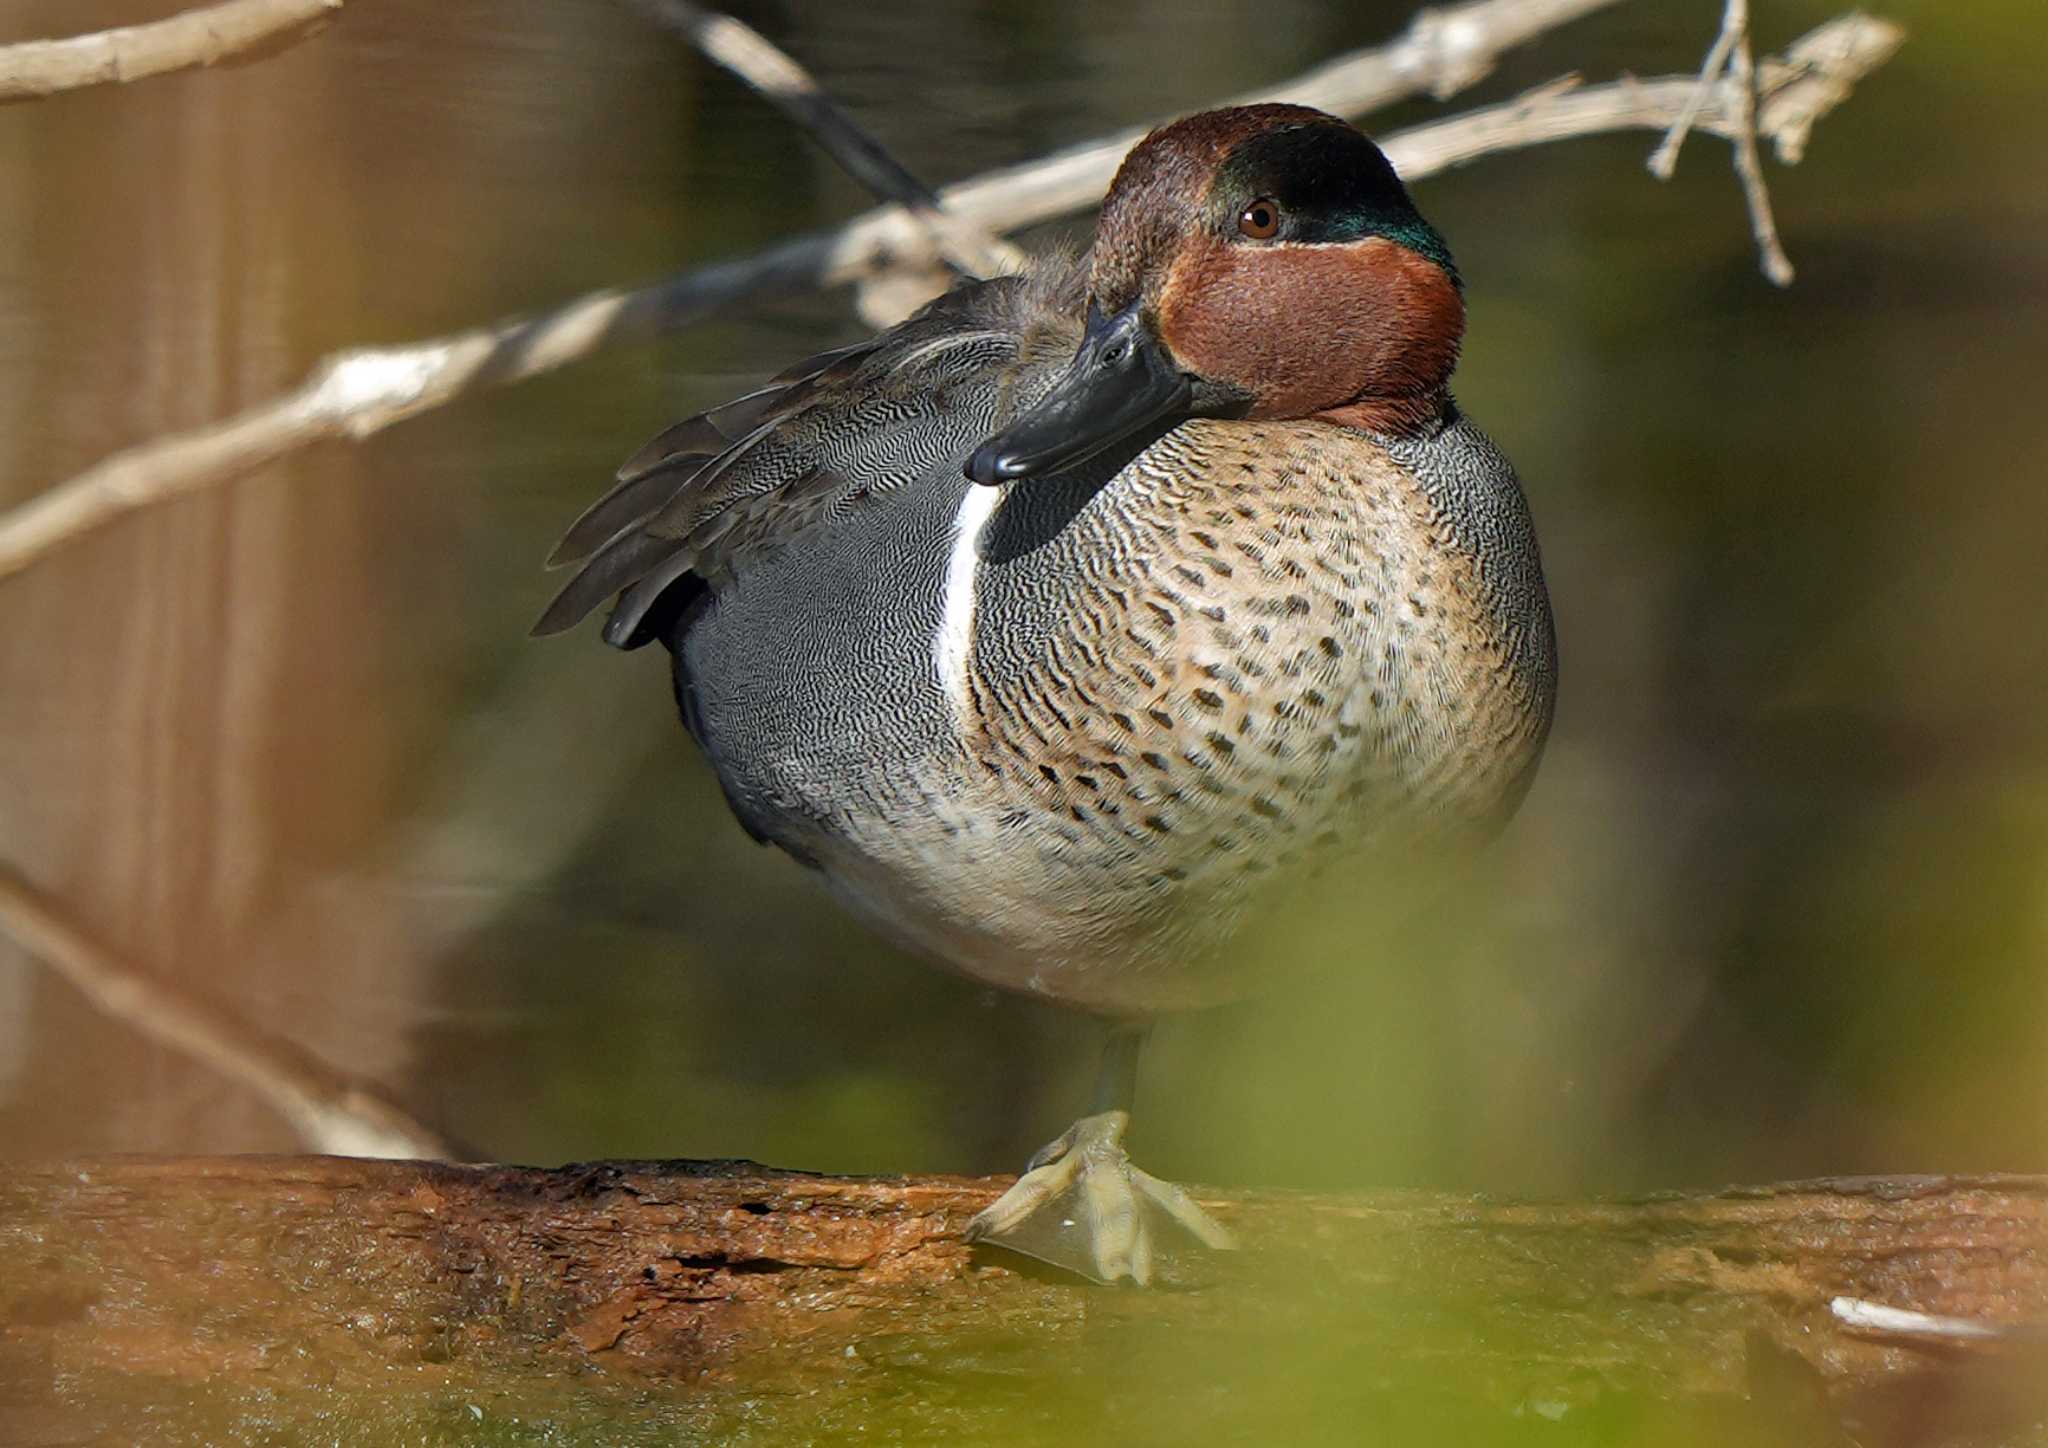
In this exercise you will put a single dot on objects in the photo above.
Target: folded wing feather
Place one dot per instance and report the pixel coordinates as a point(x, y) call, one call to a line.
point(826, 435)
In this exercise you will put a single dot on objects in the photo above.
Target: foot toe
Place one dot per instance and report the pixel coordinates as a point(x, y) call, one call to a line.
point(1082, 1206)
point(1184, 1209)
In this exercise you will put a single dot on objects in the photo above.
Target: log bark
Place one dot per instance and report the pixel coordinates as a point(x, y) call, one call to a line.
point(309, 1298)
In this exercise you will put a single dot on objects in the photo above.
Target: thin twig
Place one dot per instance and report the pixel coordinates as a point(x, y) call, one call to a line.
point(768, 70)
point(330, 1111)
point(1876, 1319)
point(1731, 54)
point(1812, 77)
point(1771, 251)
point(1664, 160)
point(36, 68)
point(354, 394)
point(1441, 53)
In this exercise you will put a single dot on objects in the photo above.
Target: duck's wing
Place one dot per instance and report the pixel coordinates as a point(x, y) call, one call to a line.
point(837, 432)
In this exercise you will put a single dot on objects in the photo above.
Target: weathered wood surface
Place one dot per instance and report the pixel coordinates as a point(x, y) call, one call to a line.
point(289, 1299)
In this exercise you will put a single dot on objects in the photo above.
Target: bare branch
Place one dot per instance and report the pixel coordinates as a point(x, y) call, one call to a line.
point(330, 1111)
point(1777, 266)
point(1664, 160)
point(1877, 1319)
point(1731, 53)
point(750, 55)
point(1794, 91)
point(1831, 60)
point(1441, 53)
point(36, 68)
point(354, 394)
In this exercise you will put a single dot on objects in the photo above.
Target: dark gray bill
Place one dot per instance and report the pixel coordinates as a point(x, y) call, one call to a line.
point(1119, 384)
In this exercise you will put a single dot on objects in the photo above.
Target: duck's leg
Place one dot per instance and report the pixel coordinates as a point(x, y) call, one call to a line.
point(1080, 1204)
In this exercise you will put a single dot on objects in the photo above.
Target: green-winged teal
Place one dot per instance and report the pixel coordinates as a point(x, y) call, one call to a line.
point(1060, 625)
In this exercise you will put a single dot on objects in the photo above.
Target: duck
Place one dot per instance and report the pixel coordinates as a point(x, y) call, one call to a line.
point(1075, 625)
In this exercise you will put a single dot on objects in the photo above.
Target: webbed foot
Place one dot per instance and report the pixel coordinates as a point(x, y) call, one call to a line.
point(1081, 1205)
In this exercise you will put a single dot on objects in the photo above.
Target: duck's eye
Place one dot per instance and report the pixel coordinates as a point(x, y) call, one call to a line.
point(1260, 220)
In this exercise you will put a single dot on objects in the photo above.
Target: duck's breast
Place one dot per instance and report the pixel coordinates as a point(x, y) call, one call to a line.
point(1064, 738)
point(1251, 616)
point(1259, 652)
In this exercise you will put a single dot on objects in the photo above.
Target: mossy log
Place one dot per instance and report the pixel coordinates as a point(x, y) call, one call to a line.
point(319, 1299)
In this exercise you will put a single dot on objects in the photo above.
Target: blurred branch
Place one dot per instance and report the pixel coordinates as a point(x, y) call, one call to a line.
point(1441, 53)
point(330, 1111)
point(1731, 53)
point(1742, 76)
point(749, 55)
point(36, 68)
point(1879, 1319)
point(354, 394)
point(1793, 91)
point(804, 1302)
point(1664, 160)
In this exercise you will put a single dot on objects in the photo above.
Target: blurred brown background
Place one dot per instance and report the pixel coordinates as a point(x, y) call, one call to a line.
point(1778, 904)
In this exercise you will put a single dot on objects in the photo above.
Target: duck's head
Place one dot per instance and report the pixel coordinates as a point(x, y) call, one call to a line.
point(1258, 262)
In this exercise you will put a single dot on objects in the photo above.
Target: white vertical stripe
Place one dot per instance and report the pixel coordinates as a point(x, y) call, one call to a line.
point(953, 644)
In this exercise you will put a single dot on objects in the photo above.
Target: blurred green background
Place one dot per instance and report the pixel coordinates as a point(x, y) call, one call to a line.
point(1777, 906)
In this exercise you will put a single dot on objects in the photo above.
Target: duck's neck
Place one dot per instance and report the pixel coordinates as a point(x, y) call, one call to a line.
point(1406, 347)
point(1404, 415)
point(1363, 335)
